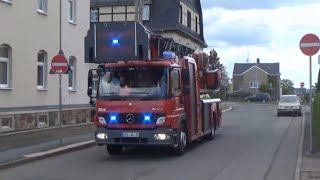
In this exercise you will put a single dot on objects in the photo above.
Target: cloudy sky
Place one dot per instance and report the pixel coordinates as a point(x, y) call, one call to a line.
point(270, 30)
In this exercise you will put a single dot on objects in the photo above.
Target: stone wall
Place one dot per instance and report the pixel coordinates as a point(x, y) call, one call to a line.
point(28, 121)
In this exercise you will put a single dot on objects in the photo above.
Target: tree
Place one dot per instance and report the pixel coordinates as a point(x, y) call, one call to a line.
point(318, 83)
point(264, 88)
point(214, 60)
point(287, 86)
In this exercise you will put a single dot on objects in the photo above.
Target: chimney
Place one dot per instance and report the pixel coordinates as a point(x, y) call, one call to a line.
point(258, 61)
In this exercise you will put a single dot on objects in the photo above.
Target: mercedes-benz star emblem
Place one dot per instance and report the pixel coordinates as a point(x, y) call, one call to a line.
point(130, 118)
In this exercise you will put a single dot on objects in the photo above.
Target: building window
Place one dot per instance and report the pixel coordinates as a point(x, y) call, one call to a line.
point(146, 13)
point(72, 11)
point(43, 6)
point(72, 74)
point(240, 86)
point(6, 123)
point(42, 120)
point(175, 82)
point(253, 84)
point(42, 70)
point(7, 1)
point(95, 84)
point(94, 15)
point(180, 14)
point(189, 19)
point(117, 14)
point(196, 24)
point(5, 66)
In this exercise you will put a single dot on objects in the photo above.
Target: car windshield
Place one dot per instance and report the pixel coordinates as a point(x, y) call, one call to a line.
point(123, 83)
point(289, 99)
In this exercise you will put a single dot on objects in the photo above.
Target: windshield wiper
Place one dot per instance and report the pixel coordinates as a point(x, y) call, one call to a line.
point(141, 93)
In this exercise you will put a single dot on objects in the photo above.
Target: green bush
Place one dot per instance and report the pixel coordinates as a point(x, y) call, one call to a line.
point(316, 120)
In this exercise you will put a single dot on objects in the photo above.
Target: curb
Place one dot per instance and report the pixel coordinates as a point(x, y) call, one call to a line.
point(299, 161)
point(46, 154)
point(226, 110)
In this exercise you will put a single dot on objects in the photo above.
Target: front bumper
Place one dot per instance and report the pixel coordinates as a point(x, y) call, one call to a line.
point(146, 137)
point(289, 111)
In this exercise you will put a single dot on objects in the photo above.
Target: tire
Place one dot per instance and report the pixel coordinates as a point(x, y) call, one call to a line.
point(182, 141)
point(114, 149)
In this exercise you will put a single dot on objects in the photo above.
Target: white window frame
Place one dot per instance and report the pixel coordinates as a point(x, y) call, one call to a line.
point(7, 128)
point(43, 64)
point(42, 6)
point(254, 84)
point(94, 15)
point(72, 12)
point(73, 74)
point(8, 62)
point(7, 1)
point(146, 13)
point(41, 124)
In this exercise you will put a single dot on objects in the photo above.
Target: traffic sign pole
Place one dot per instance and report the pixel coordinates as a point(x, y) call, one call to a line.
point(311, 111)
point(310, 45)
point(59, 65)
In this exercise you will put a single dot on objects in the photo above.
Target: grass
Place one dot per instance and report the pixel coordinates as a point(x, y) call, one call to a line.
point(316, 120)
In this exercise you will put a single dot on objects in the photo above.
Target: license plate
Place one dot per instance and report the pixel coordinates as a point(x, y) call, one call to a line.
point(130, 134)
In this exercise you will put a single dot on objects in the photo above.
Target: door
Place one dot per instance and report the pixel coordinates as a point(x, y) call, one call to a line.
point(193, 99)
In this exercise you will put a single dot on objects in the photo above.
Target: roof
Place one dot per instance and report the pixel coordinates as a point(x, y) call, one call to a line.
point(270, 68)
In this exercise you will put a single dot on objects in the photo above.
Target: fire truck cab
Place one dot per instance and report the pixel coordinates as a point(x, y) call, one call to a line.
point(155, 102)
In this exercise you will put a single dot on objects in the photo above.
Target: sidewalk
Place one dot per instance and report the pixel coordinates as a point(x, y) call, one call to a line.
point(15, 146)
point(310, 163)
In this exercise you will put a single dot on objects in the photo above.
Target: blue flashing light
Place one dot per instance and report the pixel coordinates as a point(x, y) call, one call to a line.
point(115, 42)
point(169, 55)
point(113, 119)
point(147, 119)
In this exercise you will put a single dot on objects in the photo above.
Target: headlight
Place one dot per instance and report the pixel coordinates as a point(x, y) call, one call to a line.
point(102, 120)
point(161, 120)
point(281, 107)
point(296, 107)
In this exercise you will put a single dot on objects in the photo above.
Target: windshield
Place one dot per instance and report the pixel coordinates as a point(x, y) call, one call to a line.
point(289, 99)
point(134, 82)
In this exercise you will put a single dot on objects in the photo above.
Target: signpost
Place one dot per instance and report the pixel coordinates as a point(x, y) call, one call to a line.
point(59, 65)
point(310, 45)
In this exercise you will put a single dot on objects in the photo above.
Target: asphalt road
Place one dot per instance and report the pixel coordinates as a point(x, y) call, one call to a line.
point(253, 144)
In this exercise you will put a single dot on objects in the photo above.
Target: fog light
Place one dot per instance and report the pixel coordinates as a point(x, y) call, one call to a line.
point(161, 136)
point(102, 136)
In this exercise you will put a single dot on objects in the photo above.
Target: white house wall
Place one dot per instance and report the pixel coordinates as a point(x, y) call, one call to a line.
point(28, 32)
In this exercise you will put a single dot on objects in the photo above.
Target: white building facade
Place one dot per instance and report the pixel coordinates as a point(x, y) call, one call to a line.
point(29, 39)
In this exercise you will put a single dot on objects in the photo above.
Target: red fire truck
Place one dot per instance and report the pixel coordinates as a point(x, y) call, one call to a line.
point(155, 102)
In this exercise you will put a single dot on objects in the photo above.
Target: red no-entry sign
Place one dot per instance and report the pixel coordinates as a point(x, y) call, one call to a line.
point(59, 64)
point(310, 44)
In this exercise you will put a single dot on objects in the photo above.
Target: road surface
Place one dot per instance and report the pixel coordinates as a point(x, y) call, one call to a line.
point(253, 144)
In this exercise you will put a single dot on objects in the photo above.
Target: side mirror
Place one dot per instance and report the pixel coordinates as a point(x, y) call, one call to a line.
point(90, 79)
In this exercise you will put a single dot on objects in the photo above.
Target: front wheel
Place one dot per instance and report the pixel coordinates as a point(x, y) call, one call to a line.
point(114, 149)
point(182, 141)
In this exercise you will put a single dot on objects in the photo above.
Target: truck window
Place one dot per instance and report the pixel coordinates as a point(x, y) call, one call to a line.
point(175, 85)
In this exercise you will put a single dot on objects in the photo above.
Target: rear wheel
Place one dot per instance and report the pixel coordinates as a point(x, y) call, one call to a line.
point(114, 149)
point(182, 141)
